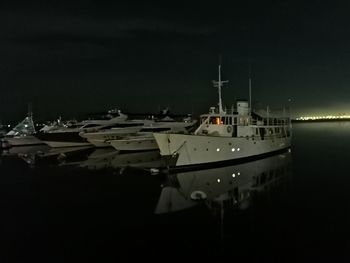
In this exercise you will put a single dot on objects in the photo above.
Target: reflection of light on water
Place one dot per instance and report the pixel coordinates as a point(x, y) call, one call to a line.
point(223, 188)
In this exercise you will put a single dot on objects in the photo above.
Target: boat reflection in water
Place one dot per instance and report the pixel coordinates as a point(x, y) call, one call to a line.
point(88, 203)
point(223, 188)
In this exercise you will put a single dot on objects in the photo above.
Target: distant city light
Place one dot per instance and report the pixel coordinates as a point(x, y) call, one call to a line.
point(327, 117)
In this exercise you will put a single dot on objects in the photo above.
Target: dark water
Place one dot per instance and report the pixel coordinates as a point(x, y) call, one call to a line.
point(290, 207)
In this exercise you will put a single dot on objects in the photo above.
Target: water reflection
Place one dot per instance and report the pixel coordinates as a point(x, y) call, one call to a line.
point(87, 203)
point(223, 188)
point(85, 157)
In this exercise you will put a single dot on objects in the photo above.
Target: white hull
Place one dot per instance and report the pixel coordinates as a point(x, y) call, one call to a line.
point(135, 144)
point(201, 149)
point(54, 144)
point(99, 139)
point(21, 141)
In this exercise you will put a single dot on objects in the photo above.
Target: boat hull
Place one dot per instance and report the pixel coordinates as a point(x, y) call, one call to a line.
point(135, 144)
point(18, 141)
point(100, 139)
point(192, 150)
point(62, 139)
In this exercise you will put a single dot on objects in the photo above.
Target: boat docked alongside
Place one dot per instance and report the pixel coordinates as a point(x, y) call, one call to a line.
point(69, 136)
point(101, 138)
point(228, 135)
point(144, 139)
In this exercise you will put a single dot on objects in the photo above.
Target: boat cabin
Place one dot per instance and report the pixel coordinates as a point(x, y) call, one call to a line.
point(240, 122)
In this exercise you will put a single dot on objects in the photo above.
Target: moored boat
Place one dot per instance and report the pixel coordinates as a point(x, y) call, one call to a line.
point(144, 139)
point(69, 136)
point(228, 135)
point(22, 134)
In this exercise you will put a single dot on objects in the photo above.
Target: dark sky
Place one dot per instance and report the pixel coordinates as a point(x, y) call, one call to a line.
point(69, 58)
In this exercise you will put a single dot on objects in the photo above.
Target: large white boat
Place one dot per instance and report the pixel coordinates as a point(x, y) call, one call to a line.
point(144, 139)
point(227, 135)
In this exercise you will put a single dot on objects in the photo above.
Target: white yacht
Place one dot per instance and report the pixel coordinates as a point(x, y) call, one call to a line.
point(227, 135)
point(68, 136)
point(144, 139)
point(102, 137)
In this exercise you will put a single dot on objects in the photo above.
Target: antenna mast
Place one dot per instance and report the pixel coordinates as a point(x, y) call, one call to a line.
point(218, 84)
point(250, 90)
point(30, 110)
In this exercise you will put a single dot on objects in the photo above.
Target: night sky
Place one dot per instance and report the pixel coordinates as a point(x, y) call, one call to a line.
point(70, 58)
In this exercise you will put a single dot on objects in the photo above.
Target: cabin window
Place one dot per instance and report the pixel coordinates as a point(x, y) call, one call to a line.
point(215, 120)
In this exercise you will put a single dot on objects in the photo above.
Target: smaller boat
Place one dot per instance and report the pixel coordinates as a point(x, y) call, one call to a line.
point(22, 134)
point(69, 135)
point(144, 139)
point(101, 137)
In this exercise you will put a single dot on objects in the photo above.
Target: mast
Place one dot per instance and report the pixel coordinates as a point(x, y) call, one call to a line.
point(250, 91)
point(218, 84)
point(30, 110)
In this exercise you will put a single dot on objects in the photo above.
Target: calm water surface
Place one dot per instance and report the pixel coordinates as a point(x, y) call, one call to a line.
point(290, 207)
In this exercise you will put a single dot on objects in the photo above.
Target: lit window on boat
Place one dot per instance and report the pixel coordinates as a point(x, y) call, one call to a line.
point(218, 180)
point(238, 149)
point(233, 149)
point(218, 149)
point(233, 175)
point(218, 121)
